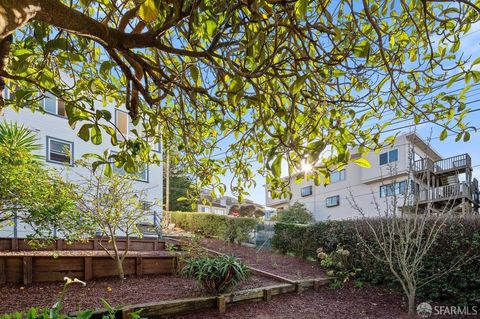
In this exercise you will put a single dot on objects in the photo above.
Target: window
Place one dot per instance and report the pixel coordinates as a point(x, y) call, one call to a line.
point(7, 95)
point(146, 206)
point(140, 176)
point(393, 189)
point(389, 157)
point(53, 105)
point(306, 191)
point(59, 151)
point(333, 201)
point(337, 176)
point(415, 187)
point(121, 121)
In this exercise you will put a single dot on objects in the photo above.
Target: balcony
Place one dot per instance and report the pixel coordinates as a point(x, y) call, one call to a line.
point(455, 163)
point(444, 193)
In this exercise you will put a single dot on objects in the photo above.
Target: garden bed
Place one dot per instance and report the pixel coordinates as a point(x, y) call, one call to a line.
point(134, 290)
point(291, 267)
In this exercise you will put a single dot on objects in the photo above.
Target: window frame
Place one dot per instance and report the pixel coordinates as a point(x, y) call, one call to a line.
point(72, 148)
point(339, 173)
point(56, 105)
point(135, 177)
point(337, 203)
point(393, 189)
point(302, 194)
point(388, 157)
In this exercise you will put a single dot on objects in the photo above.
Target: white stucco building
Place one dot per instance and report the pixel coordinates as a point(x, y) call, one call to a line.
point(62, 147)
point(431, 179)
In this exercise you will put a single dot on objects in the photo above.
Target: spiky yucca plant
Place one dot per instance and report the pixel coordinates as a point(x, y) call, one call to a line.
point(216, 274)
point(17, 141)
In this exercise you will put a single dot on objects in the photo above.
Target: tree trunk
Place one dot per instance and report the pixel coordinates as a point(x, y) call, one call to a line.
point(118, 259)
point(121, 274)
point(411, 303)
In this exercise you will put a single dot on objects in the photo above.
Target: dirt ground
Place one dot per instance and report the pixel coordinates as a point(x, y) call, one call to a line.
point(133, 290)
point(290, 267)
point(347, 303)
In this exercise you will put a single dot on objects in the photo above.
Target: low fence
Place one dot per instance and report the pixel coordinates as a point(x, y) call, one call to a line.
point(136, 244)
point(27, 268)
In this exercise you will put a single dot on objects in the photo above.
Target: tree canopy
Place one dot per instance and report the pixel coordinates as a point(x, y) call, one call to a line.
point(261, 80)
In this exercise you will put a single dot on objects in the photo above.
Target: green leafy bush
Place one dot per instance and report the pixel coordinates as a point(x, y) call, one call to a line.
point(216, 274)
point(460, 237)
point(339, 264)
point(232, 229)
point(296, 214)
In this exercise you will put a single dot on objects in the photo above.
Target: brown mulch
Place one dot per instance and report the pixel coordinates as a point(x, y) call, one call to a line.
point(350, 302)
point(290, 267)
point(81, 253)
point(134, 290)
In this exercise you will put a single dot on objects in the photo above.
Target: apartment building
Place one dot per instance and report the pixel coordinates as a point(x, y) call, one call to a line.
point(62, 147)
point(409, 165)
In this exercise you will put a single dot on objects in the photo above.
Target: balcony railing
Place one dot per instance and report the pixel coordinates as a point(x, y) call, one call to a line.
point(452, 163)
point(423, 165)
point(447, 192)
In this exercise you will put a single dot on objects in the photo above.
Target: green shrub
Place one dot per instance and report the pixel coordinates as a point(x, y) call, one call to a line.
point(340, 265)
point(216, 274)
point(296, 214)
point(460, 237)
point(232, 229)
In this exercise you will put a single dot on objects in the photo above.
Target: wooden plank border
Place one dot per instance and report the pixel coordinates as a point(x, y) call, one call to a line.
point(137, 244)
point(189, 305)
point(3, 271)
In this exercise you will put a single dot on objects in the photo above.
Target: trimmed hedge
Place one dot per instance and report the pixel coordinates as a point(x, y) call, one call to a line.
point(459, 237)
point(232, 229)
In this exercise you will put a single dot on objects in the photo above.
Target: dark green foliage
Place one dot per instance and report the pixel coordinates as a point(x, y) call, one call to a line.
point(216, 274)
point(179, 187)
point(296, 214)
point(46, 313)
point(460, 238)
point(232, 229)
point(31, 192)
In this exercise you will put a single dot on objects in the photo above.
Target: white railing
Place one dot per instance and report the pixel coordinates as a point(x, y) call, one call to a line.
point(446, 192)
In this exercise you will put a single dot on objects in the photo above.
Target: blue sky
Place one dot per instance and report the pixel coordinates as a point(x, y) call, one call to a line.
point(470, 46)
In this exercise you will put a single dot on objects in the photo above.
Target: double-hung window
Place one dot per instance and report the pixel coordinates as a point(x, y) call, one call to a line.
point(59, 151)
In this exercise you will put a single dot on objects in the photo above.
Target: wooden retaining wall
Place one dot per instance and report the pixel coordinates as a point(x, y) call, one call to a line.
point(168, 308)
point(144, 244)
point(28, 269)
